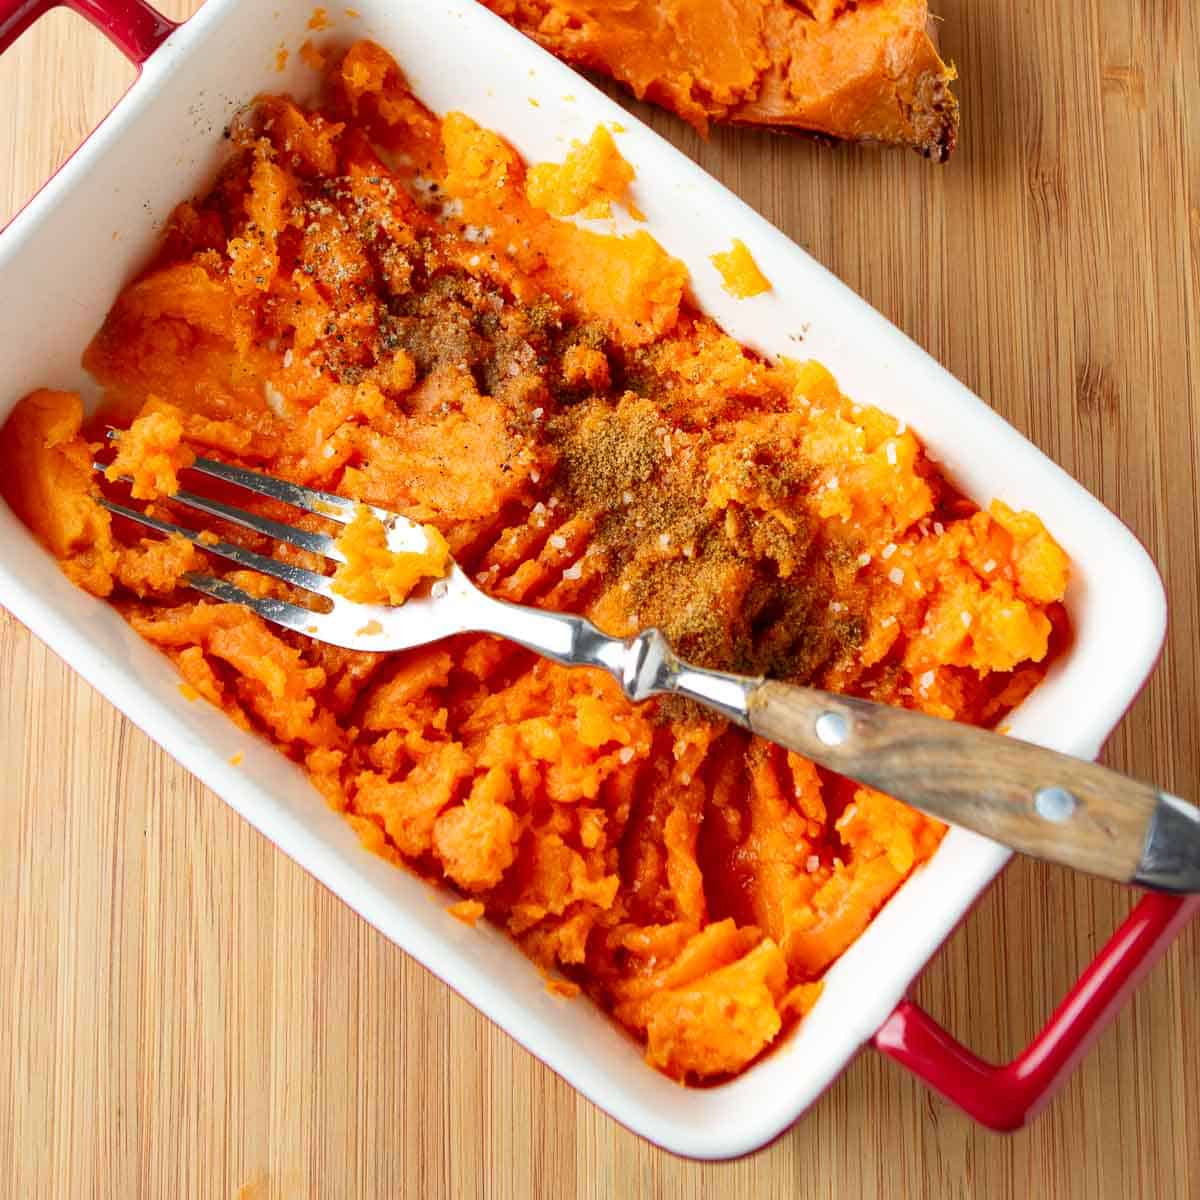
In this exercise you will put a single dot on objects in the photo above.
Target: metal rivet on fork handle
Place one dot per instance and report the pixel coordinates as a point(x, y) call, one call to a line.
point(1054, 803)
point(832, 728)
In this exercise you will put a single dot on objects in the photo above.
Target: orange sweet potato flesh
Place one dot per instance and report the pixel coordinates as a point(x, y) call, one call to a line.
point(865, 71)
point(580, 439)
point(373, 573)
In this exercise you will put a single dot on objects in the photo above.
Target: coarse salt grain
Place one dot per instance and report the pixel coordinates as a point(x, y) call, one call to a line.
point(989, 566)
point(553, 501)
point(833, 483)
point(812, 864)
point(625, 755)
point(538, 509)
point(888, 551)
point(626, 497)
point(535, 476)
point(274, 398)
point(439, 589)
point(474, 260)
point(887, 622)
point(926, 681)
point(287, 357)
point(939, 528)
point(558, 541)
point(664, 540)
point(896, 575)
point(890, 451)
point(864, 560)
point(574, 571)
point(835, 606)
point(966, 619)
point(537, 414)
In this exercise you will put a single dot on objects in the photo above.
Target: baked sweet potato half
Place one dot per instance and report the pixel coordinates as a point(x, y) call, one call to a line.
point(862, 70)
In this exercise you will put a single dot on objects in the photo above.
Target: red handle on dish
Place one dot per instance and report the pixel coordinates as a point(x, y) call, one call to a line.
point(1007, 1096)
point(135, 28)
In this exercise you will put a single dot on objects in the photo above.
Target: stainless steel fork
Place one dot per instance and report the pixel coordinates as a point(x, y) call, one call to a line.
point(1035, 800)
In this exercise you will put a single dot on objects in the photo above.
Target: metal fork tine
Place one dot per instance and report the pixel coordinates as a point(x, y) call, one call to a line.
point(403, 533)
point(324, 504)
point(298, 576)
point(318, 543)
point(280, 612)
point(302, 539)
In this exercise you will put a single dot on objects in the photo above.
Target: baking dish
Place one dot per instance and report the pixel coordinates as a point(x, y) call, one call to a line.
point(65, 257)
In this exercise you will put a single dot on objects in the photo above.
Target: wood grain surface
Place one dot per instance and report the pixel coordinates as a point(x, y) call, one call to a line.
point(187, 1014)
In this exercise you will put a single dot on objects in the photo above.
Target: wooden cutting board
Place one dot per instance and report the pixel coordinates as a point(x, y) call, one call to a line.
point(187, 1014)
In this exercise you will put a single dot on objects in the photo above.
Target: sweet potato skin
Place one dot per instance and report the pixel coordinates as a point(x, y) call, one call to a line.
point(859, 72)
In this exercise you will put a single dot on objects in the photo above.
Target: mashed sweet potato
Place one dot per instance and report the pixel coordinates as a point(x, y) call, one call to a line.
point(374, 573)
point(587, 181)
point(864, 70)
point(367, 302)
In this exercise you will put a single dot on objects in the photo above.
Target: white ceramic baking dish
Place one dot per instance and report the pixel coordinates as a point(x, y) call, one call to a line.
point(63, 260)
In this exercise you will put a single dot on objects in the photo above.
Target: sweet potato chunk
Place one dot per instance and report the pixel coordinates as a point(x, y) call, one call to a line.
point(373, 573)
point(866, 71)
point(46, 477)
point(717, 1024)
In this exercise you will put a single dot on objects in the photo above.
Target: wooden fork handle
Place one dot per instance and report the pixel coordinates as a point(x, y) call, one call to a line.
point(1037, 801)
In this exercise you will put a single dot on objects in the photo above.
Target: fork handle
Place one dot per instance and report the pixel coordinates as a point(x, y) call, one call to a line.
point(1037, 801)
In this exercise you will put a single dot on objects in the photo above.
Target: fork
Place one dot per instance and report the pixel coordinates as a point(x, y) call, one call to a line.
point(1039, 802)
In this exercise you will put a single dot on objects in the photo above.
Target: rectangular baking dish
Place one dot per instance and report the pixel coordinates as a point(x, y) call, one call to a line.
point(65, 257)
